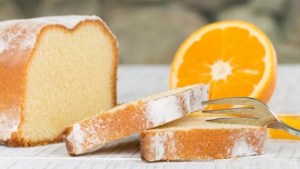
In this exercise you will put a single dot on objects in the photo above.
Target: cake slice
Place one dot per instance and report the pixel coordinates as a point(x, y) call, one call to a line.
point(193, 138)
point(124, 120)
point(54, 71)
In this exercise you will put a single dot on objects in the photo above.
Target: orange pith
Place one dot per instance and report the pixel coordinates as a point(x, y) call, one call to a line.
point(234, 57)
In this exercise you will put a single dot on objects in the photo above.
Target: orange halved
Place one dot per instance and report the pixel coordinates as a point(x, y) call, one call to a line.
point(235, 57)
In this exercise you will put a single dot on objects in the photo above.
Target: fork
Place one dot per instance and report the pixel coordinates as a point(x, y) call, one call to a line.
point(259, 114)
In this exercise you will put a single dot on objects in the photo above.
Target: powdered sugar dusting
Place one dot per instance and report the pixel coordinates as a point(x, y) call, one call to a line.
point(87, 139)
point(93, 138)
point(26, 30)
point(175, 106)
point(242, 148)
point(9, 123)
point(197, 96)
point(76, 137)
point(159, 145)
point(68, 21)
point(22, 37)
point(3, 46)
point(29, 39)
point(172, 144)
point(187, 98)
point(163, 110)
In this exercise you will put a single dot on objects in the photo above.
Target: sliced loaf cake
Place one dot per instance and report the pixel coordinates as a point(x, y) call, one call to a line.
point(54, 71)
point(124, 120)
point(193, 138)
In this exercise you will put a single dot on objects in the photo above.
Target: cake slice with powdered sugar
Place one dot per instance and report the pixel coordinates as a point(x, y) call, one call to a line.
point(194, 138)
point(124, 120)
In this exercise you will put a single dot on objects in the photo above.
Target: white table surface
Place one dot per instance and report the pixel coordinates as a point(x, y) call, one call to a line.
point(141, 80)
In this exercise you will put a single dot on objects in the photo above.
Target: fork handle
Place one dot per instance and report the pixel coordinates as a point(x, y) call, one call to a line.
point(292, 130)
point(280, 125)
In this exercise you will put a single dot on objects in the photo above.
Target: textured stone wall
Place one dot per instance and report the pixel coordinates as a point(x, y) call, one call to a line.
point(150, 31)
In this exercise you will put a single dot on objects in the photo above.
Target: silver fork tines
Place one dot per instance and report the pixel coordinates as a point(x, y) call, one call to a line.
point(259, 113)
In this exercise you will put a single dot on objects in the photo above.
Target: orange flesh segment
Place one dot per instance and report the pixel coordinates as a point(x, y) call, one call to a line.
point(220, 46)
point(291, 120)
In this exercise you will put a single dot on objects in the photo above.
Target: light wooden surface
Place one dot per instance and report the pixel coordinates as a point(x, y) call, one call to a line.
point(277, 154)
point(137, 81)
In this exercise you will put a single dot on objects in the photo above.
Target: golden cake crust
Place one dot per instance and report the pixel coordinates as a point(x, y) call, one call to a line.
point(201, 144)
point(15, 60)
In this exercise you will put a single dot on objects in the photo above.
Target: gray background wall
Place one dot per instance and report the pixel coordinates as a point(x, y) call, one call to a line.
point(150, 31)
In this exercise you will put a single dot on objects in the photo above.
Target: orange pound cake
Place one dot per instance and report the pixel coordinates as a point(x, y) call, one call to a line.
point(194, 138)
point(124, 120)
point(54, 71)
